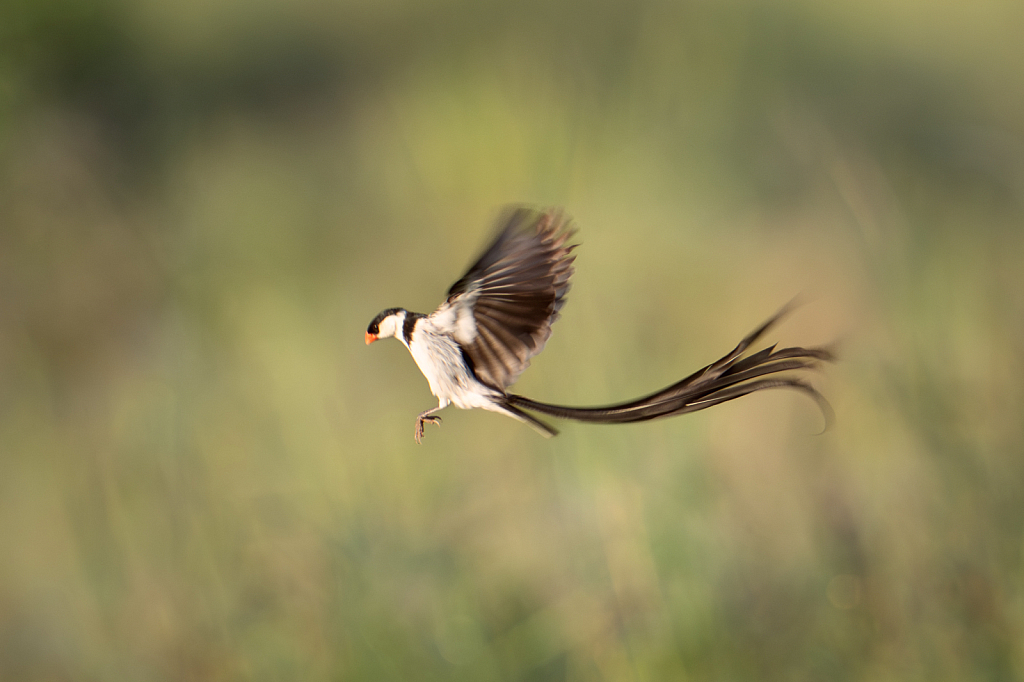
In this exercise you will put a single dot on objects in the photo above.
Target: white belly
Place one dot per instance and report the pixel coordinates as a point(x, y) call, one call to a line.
point(440, 359)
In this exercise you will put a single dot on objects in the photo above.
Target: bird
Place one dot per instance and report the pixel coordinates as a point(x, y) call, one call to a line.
point(499, 315)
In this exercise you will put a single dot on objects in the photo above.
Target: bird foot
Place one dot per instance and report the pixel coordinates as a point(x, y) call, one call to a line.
point(419, 426)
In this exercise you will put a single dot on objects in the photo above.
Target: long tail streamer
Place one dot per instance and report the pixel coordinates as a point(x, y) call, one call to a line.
point(733, 376)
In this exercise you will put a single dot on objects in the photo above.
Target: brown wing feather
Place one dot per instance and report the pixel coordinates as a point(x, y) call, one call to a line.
point(515, 290)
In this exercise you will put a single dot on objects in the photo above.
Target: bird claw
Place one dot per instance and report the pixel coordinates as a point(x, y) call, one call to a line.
point(418, 435)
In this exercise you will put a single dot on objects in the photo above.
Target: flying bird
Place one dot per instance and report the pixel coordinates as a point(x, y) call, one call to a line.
point(499, 315)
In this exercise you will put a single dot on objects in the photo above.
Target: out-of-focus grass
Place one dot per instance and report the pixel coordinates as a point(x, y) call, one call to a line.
point(204, 474)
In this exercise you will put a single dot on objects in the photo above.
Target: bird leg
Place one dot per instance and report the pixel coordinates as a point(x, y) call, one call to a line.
point(425, 417)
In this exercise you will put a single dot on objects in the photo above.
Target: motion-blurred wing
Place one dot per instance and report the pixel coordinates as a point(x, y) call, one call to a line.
point(502, 309)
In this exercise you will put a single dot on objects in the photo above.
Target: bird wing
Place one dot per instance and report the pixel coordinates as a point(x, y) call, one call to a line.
point(502, 309)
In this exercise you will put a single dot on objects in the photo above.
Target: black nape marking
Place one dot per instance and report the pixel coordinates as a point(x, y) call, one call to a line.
point(410, 322)
point(374, 327)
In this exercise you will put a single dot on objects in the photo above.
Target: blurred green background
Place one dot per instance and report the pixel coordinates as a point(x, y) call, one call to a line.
point(206, 475)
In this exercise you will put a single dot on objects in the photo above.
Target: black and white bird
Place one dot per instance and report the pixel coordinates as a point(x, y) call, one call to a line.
point(499, 315)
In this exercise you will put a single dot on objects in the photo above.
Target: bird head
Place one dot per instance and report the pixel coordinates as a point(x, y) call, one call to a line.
point(387, 324)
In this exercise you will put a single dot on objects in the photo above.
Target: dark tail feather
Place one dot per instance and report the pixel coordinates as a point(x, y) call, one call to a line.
point(540, 427)
point(731, 377)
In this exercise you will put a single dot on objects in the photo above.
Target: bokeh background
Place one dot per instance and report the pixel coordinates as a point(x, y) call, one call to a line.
point(206, 475)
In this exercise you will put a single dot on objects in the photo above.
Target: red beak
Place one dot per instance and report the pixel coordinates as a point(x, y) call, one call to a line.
point(370, 338)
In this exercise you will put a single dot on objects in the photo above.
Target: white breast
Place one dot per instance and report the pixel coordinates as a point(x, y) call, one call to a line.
point(440, 359)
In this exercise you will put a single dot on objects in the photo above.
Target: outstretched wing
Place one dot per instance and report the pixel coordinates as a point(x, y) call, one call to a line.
point(502, 309)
